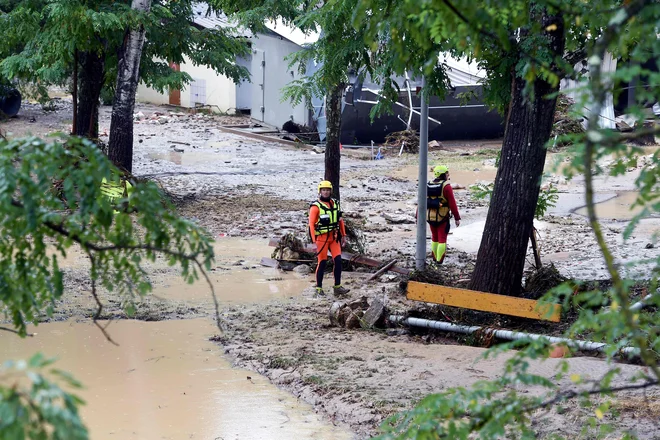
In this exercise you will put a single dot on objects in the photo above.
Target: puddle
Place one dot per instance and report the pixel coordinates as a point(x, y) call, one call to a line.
point(458, 177)
point(234, 286)
point(167, 381)
point(618, 208)
point(238, 277)
point(191, 157)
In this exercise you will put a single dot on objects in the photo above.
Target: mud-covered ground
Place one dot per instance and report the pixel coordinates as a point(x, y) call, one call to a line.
point(240, 187)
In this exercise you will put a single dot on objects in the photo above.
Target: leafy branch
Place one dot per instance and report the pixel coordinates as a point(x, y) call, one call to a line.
point(593, 138)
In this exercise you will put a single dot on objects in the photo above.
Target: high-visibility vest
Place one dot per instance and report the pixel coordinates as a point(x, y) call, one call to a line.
point(328, 217)
point(437, 206)
point(114, 191)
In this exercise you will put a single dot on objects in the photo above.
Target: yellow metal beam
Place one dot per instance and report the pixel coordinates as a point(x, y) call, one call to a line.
point(486, 302)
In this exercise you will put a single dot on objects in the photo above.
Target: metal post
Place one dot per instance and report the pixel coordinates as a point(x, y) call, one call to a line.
point(421, 181)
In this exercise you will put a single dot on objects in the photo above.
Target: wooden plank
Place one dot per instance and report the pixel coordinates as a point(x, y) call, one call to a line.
point(485, 302)
point(371, 262)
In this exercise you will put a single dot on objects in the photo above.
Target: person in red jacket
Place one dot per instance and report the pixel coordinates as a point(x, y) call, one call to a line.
point(327, 230)
point(440, 207)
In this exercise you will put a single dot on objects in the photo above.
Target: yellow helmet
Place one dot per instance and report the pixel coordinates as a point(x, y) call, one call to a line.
point(439, 170)
point(325, 184)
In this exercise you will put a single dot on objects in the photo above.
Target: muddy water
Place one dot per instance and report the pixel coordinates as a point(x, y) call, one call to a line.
point(237, 277)
point(458, 177)
point(167, 381)
point(619, 207)
point(190, 158)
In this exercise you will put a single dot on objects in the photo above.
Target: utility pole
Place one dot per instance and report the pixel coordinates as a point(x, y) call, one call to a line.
point(421, 181)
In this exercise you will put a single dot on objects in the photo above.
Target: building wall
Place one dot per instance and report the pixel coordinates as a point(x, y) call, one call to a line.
point(206, 88)
point(244, 88)
point(216, 90)
point(273, 49)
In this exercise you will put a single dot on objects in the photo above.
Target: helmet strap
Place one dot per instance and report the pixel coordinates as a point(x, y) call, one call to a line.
point(324, 199)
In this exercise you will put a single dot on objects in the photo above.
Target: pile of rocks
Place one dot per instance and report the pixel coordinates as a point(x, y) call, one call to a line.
point(358, 313)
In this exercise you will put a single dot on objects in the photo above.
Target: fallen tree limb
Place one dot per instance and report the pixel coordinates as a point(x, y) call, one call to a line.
point(382, 270)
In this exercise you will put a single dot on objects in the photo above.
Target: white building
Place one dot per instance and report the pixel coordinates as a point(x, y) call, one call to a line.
point(260, 97)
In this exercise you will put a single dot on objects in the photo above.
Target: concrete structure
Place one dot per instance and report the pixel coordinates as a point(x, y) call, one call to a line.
point(260, 97)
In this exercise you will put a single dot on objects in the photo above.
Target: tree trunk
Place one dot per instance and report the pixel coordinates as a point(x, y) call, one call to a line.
point(91, 77)
point(501, 257)
point(120, 146)
point(74, 92)
point(333, 124)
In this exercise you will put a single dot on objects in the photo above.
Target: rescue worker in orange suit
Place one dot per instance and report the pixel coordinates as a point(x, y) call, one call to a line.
point(440, 207)
point(327, 230)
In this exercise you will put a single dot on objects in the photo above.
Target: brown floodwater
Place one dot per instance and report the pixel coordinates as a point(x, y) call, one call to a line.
point(619, 207)
point(166, 380)
point(237, 276)
point(191, 157)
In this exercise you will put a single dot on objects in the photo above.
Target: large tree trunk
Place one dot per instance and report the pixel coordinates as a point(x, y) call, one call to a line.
point(91, 77)
point(120, 146)
point(332, 152)
point(501, 257)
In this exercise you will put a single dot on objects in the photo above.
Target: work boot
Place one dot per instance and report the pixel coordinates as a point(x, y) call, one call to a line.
point(340, 290)
point(318, 291)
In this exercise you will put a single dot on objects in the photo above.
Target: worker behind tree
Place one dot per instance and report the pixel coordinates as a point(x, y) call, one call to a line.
point(327, 230)
point(114, 191)
point(440, 206)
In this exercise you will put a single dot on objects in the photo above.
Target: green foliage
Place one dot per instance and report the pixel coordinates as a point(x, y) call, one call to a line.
point(42, 410)
point(50, 200)
point(505, 37)
point(548, 196)
point(38, 41)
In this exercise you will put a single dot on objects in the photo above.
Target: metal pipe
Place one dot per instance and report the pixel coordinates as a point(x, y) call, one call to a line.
point(641, 303)
point(505, 334)
point(421, 181)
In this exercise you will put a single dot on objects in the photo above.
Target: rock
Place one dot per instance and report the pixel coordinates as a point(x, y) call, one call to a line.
point(353, 319)
point(288, 254)
point(334, 313)
point(318, 150)
point(163, 120)
point(361, 303)
point(375, 315)
point(302, 269)
point(138, 116)
point(489, 162)
point(649, 246)
point(435, 144)
point(398, 219)
point(343, 315)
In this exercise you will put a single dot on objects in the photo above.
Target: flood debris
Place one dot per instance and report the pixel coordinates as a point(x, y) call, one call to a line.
point(301, 133)
point(292, 246)
point(541, 281)
point(358, 313)
point(564, 122)
point(396, 139)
